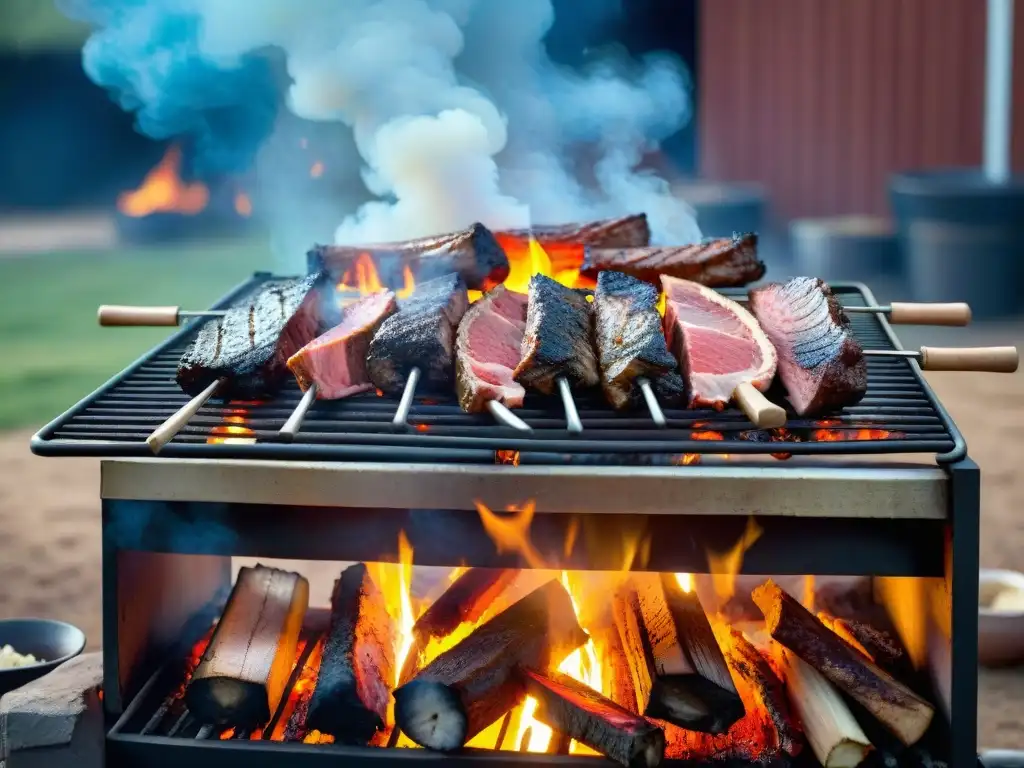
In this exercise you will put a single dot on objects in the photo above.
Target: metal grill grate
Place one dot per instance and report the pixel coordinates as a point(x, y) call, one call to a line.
point(899, 414)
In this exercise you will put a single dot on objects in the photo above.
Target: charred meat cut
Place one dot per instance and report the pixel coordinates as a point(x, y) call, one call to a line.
point(716, 263)
point(820, 362)
point(473, 253)
point(718, 343)
point(630, 344)
point(623, 232)
point(487, 351)
point(250, 345)
point(336, 361)
point(559, 338)
point(420, 335)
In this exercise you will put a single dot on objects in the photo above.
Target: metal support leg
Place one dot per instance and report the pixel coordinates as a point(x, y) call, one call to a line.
point(965, 517)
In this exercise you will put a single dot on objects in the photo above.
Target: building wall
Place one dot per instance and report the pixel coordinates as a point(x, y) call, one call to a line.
point(821, 100)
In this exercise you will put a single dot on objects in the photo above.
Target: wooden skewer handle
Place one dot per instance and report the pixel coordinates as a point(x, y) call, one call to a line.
point(113, 314)
point(763, 413)
point(958, 314)
point(163, 434)
point(990, 359)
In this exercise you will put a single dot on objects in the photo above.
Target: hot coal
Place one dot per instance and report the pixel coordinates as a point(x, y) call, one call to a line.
point(474, 254)
point(336, 361)
point(559, 338)
point(820, 362)
point(420, 335)
point(487, 351)
point(716, 263)
point(628, 334)
point(250, 345)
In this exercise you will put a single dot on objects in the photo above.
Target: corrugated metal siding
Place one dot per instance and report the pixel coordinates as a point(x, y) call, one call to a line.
point(821, 100)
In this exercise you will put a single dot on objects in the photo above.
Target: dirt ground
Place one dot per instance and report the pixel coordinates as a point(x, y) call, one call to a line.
point(50, 533)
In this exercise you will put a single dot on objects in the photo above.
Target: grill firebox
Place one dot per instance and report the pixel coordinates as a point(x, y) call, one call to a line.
point(884, 489)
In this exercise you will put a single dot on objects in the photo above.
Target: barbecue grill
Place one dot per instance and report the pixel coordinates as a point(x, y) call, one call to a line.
point(884, 488)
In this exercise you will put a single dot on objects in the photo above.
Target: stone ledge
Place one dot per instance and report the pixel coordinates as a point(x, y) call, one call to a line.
point(57, 720)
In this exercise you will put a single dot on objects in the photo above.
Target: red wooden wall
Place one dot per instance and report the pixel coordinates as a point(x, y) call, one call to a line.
point(821, 100)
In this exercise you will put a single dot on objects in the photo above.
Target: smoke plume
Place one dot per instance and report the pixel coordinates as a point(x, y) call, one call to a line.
point(455, 111)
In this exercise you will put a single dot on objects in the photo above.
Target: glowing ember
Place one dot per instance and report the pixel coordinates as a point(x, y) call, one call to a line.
point(854, 435)
point(706, 435)
point(507, 457)
point(163, 191)
point(685, 581)
point(687, 459)
point(233, 430)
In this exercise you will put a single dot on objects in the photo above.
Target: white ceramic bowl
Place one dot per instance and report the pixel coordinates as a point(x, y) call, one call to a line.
point(1000, 633)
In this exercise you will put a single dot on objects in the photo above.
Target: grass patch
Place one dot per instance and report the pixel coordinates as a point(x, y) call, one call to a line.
point(56, 353)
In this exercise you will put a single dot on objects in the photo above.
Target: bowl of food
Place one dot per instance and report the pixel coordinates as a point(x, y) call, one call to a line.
point(29, 648)
point(1000, 617)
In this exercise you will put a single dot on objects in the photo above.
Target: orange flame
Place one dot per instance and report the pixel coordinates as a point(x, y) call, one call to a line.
point(233, 430)
point(362, 277)
point(511, 532)
point(841, 435)
point(726, 565)
point(163, 191)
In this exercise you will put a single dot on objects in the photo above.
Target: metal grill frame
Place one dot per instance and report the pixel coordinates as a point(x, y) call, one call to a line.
point(476, 439)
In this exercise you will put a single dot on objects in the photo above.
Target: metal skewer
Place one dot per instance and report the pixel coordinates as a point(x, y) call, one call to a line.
point(990, 359)
point(904, 313)
point(504, 416)
point(294, 423)
point(405, 404)
point(652, 402)
point(166, 431)
point(572, 416)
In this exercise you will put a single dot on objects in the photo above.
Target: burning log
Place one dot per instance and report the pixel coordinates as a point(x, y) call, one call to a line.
point(350, 701)
point(473, 253)
point(244, 671)
point(466, 599)
point(581, 713)
point(893, 704)
point(882, 647)
point(678, 670)
point(765, 689)
point(625, 232)
point(831, 729)
point(468, 687)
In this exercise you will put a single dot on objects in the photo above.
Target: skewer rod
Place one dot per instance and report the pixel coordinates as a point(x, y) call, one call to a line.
point(905, 313)
point(762, 412)
point(294, 423)
point(504, 416)
point(166, 431)
point(988, 359)
point(572, 416)
point(120, 315)
point(657, 416)
point(405, 404)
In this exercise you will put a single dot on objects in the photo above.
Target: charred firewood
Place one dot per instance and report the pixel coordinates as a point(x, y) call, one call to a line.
point(465, 600)
point(473, 253)
point(831, 729)
point(764, 688)
point(625, 232)
point(243, 672)
point(350, 701)
point(579, 712)
point(679, 672)
point(889, 701)
point(617, 670)
point(884, 649)
point(468, 687)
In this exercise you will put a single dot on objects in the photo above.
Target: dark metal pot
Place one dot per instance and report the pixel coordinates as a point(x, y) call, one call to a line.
point(845, 247)
point(963, 238)
point(52, 641)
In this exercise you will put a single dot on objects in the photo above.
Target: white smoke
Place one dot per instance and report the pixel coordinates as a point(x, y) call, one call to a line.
point(457, 112)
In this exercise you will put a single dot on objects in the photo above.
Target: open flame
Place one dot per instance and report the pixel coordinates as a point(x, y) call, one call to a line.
point(233, 430)
point(164, 191)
